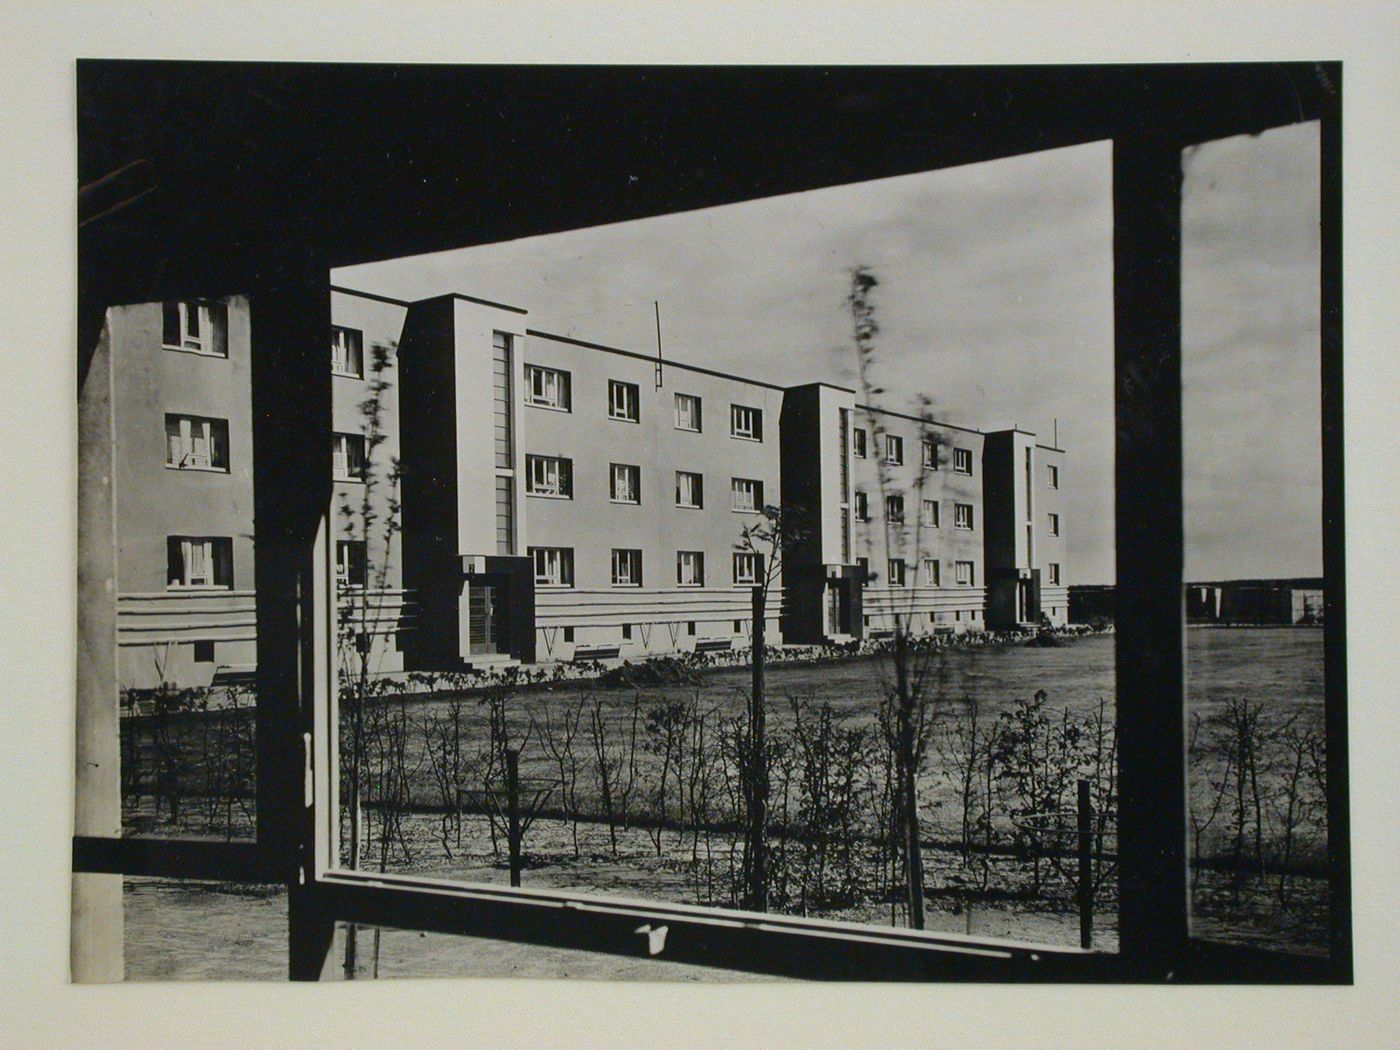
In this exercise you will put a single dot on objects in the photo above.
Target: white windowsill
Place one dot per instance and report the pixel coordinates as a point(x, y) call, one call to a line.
point(745, 437)
point(199, 470)
point(188, 588)
point(690, 506)
point(689, 430)
point(548, 407)
point(546, 495)
point(626, 502)
point(624, 419)
point(191, 350)
point(345, 375)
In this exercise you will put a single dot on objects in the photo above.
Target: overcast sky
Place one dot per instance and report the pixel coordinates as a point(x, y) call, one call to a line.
point(995, 301)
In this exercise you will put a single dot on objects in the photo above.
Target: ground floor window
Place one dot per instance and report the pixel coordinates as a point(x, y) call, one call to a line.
point(199, 561)
point(690, 568)
point(554, 566)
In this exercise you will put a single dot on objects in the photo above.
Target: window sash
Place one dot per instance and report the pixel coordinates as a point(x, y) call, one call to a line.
point(625, 483)
point(929, 514)
point(690, 568)
point(1054, 475)
point(746, 422)
point(894, 449)
point(748, 566)
point(690, 489)
point(347, 352)
point(962, 515)
point(348, 457)
point(930, 455)
point(746, 494)
point(554, 566)
point(858, 442)
point(894, 509)
point(549, 476)
point(962, 461)
point(688, 412)
point(626, 567)
point(862, 506)
point(1053, 526)
point(931, 573)
point(896, 572)
point(623, 401)
point(547, 387)
point(964, 573)
point(1054, 574)
point(199, 562)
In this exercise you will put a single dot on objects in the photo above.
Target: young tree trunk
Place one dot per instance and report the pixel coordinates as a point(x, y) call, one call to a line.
point(909, 805)
point(758, 767)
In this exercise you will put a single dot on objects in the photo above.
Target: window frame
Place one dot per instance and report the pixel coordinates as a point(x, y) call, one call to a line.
point(1053, 572)
point(894, 450)
point(963, 511)
point(564, 384)
point(894, 508)
point(928, 454)
point(186, 425)
point(697, 480)
point(219, 555)
point(752, 578)
point(340, 461)
point(563, 485)
point(1053, 476)
point(971, 566)
point(344, 566)
point(962, 461)
point(631, 398)
point(696, 561)
point(1154, 946)
point(633, 472)
point(357, 346)
point(860, 505)
point(634, 559)
point(1052, 523)
point(893, 578)
point(754, 489)
point(930, 516)
point(697, 403)
point(859, 444)
point(563, 558)
point(205, 312)
point(753, 430)
point(934, 578)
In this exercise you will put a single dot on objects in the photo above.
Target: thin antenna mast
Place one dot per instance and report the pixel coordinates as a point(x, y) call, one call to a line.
point(657, 304)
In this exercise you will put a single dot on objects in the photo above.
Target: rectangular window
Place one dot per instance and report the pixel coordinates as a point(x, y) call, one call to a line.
point(962, 461)
point(551, 476)
point(625, 483)
point(928, 515)
point(1054, 527)
point(858, 442)
point(894, 509)
point(894, 449)
point(196, 443)
point(862, 506)
point(929, 457)
point(204, 652)
point(1054, 475)
point(932, 577)
point(197, 328)
point(348, 457)
point(962, 515)
point(554, 566)
point(548, 388)
point(690, 568)
point(624, 401)
point(748, 567)
point(198, 561)
point(896, 572)
point(864, 565)
point(626, 568)
point(1054, 574)
point(347, 352)
point(690, 489)
point(965, 575)
point(626, 632)
point(351, 563)
point(688, 412)
point(746, 423)
point(746, 495)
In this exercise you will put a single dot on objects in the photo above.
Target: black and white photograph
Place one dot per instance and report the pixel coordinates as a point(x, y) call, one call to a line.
point(711, 523)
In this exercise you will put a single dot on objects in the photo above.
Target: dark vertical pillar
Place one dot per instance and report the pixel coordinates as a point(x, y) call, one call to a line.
point(1334, 538)
point(290, 323)
point(1154, 909)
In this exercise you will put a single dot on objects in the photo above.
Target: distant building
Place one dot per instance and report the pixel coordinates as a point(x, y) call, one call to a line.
point(1282, 601)
point(560, 500)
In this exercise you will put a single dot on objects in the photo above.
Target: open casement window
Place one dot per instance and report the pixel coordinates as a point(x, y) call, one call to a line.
point(347, 352)
point(690, 489)
point(196, 443)
point(299, 769)
point(196, 327)
point(549, 476)
point(748, 568)
point(199, 561)
point(624, 401)
point(548, 388)
point(348, 461)
point(746, 423)
point(554, 566)
point(688, 412)
point(690, 569)
point(626, 567)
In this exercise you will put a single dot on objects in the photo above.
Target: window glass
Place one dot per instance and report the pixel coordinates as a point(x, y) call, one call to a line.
point(1255, 594)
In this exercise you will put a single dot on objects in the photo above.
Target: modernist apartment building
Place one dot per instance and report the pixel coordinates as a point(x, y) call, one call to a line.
point(558, 499)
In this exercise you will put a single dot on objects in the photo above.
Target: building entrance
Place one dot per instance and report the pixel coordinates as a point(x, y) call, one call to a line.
point(484, 617)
